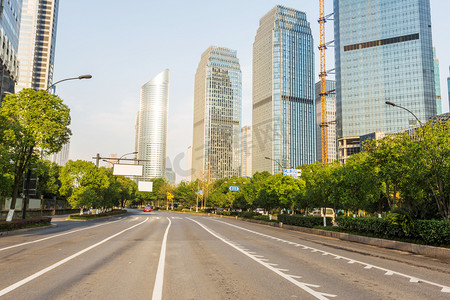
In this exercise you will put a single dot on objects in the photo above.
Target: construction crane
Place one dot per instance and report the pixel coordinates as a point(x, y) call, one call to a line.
point(323, 84)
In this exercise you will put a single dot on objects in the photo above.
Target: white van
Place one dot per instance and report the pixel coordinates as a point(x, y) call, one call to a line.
point(318, 212)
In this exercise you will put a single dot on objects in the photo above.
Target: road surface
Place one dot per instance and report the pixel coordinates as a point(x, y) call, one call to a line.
point(161, 255)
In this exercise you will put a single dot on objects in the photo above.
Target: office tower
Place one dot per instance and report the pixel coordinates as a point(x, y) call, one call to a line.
point(61, 157)
point(246, 152)
point(189, 163)
point(284, 133)
point(170, 176)
point(448, 87)
point(331, 121)
point(37, 43)
point(10, 15)
point(383, 52)
point(217, 115)
point(437, 82)
point(152, 126)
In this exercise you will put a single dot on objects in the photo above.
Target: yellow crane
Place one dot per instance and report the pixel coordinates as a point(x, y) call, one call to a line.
point(323, 84)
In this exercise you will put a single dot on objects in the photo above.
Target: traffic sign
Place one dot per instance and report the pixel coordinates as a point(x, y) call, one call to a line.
point(296, 173)
point(233, 188)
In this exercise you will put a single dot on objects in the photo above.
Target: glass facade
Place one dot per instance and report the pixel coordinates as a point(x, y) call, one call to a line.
point(37, 43)
point(448, 88)
point(246, 152)
point(217, 115)
point(283, 92)
point(383, 52)
point(10, 15)
point(151, 126)
point(437, 81)
point(331, 121)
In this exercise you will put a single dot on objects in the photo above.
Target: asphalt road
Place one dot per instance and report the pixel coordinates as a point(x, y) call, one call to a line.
point(161, 255)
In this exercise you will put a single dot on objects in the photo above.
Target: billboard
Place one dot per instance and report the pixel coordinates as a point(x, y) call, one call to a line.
point(127, 170)
point(145, 186)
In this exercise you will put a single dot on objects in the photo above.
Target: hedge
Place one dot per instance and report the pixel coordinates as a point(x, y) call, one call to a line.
point(303, 221)
point(24, 223)
point(430, 232)
point(95, 216)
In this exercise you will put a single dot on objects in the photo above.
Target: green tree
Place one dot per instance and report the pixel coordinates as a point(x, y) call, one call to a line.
point(35, 120)
point(48, 178)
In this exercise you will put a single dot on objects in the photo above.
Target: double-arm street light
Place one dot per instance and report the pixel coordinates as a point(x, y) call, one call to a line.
point(118, 160)
point(395, 105)
point(87, 76)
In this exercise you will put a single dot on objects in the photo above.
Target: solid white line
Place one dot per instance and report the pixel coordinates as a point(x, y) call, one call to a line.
point(303, 286)
point(42, 272)
point(56, 235)
point(158, 288)
point(444, 288)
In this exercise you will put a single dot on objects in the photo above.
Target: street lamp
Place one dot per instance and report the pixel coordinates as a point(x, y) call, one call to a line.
point(118, 160)
point(87, 76)
point(395, 105)
point(275, 161)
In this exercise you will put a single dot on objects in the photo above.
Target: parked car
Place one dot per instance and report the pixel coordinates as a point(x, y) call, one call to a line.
point(329, 212)
point(147, 209)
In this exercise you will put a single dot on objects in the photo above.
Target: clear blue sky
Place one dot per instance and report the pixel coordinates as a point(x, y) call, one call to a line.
point(124, 45)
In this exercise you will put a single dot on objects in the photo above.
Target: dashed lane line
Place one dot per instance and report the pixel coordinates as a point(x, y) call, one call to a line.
point(159, 281)
point(412, 279)
point(291, 278)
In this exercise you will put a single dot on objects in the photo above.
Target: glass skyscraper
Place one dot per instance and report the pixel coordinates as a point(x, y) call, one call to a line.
point(10, 16)
point(217, 115)
point(151, 126)
point(383, 52)
point(437, 81)
point(284, 133)
point(37, 43)
point(246, 152)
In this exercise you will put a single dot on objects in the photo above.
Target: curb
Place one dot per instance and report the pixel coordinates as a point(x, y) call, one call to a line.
point(430, 251)
point(18, 231)
point(100, 218)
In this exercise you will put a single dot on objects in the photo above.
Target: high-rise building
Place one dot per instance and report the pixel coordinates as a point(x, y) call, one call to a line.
point(246, 152)
point(10, 16)
point(217, 115)
point(448, 87)
point(170, 176)
point(37, 43)
point(437, 82)
point(152, 126)
point(61, 157)
point(383, 52)
point(283, 130)
point(331, 121)
point(189, 163)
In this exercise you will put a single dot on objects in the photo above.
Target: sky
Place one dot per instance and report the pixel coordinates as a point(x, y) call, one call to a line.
point(123, 46)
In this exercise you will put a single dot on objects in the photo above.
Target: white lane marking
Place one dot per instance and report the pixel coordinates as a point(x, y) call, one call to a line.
point(444, 289)
point(55, 265)
point(302, 285)
point(56, 235)
point(158, 288)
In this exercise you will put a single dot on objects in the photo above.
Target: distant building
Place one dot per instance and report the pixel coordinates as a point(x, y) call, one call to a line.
point(448, 87)
point(437, 82)
point(37, 43)
point(152, 126)
point(283, 125)
point(331, 121)
point(170, 176)
point(112, 160)
point(10, 16)
point(61, 157)
point(246, 152)
point(189, 163)
point(383, 51)
point(348, 146)
point(370, 137)
point(217, 115)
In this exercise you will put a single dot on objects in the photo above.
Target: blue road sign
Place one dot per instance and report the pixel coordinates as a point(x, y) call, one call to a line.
point(233, 188)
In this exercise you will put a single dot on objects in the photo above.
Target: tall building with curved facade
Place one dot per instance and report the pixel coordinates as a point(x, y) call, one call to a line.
point(283, 131)
point(151, 126)
point(217, 115)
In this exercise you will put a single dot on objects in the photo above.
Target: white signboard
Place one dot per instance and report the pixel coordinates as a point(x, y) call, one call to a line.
point(145, 186)
point(296, 173)
point(34, 204)
point(127, 170)
point(18, 203)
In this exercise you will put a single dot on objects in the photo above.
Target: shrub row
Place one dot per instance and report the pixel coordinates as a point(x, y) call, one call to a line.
point(24, 223)
point(241, 214)
point(430, 232)
point(303, 221)
point(94, 216)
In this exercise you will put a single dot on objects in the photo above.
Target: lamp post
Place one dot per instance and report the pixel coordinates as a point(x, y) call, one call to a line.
point(275, 161)
point(118, 160)
point(87, 76)
point(395, 105)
